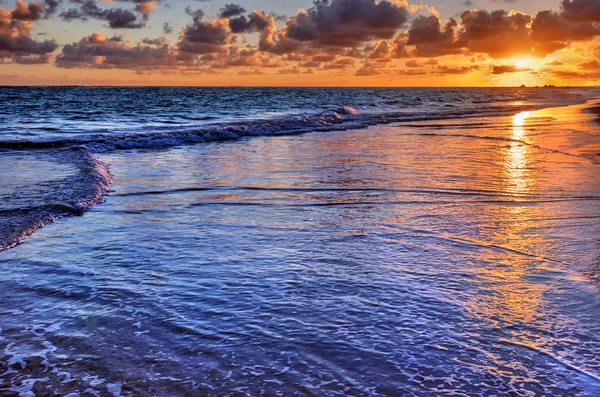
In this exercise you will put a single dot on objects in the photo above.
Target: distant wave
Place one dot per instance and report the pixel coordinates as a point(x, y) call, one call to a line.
point(342, 118)
point(87, 186)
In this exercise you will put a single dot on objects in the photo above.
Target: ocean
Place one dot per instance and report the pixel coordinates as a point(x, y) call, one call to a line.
point(299, 242)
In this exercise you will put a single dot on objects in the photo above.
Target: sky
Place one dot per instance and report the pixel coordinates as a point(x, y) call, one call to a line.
point(300, 43)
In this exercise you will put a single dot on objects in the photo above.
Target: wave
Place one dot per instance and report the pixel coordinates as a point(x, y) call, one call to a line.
point(342, 118)
point(86, 187)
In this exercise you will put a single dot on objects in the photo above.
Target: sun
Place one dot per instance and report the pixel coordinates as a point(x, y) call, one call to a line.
point(521, 63)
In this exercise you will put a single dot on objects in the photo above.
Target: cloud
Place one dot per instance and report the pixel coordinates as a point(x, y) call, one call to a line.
point(231, 10)
point(413, 63)
point(256, 21)
point(144, 7)
point(368, 70)
point(430, 39)
point(194, 13)
point(369, 36)
point(206, 37)
point(581, 10)
point(96, 51)
point(239, 57)
point(27, 11)
point(16, 43)
point(340, 24)
point(502, 69)
point(571, 74)
point(295, 70)
point(117, 18)
point(159, 41)
point(590, 65)
point(551, 32)
point(51, 8)
point(498, 33)
point(388, 49)
point(445, 69)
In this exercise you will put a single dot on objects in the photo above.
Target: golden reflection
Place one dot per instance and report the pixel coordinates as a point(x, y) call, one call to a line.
point(519, 120)
point(509, 297)
point(517, 159)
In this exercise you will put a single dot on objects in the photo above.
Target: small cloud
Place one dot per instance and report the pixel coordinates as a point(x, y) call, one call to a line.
point(502, 69)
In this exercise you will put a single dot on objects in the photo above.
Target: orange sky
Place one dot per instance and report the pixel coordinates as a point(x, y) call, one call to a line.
point(328, 43)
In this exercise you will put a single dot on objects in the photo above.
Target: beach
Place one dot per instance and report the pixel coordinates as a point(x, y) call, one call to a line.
point(350, 249)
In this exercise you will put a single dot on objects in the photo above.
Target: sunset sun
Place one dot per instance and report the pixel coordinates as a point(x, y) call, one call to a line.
point(522, 63)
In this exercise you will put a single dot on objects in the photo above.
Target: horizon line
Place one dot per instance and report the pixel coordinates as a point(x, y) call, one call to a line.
point(283, 86)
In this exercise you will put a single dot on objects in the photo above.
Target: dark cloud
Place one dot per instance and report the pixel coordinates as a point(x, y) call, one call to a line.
point(231, 10)
point(194, 13)
point(120, 18)
point(144, 7)
point(345, 23)
point(117, 18)
point(431, 39)
point(502, 69)
point(550, 32)
point(581, 10)
point(51, 7)
point(257, 21)
point(159, 41)
point(167, 29)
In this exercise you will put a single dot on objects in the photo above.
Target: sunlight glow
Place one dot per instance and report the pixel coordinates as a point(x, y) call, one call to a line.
point(519, 119)
point(522, 63)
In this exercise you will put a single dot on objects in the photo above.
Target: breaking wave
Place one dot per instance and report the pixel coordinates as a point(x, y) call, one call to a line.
point(29, 207)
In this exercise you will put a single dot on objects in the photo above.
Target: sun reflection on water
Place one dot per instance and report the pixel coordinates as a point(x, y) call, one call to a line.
point(508, 296)
point(517, 159)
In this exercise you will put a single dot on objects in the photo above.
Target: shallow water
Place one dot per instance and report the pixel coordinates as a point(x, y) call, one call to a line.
point(422, 258)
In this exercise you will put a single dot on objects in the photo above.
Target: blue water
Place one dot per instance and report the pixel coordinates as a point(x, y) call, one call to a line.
point(416, 242)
